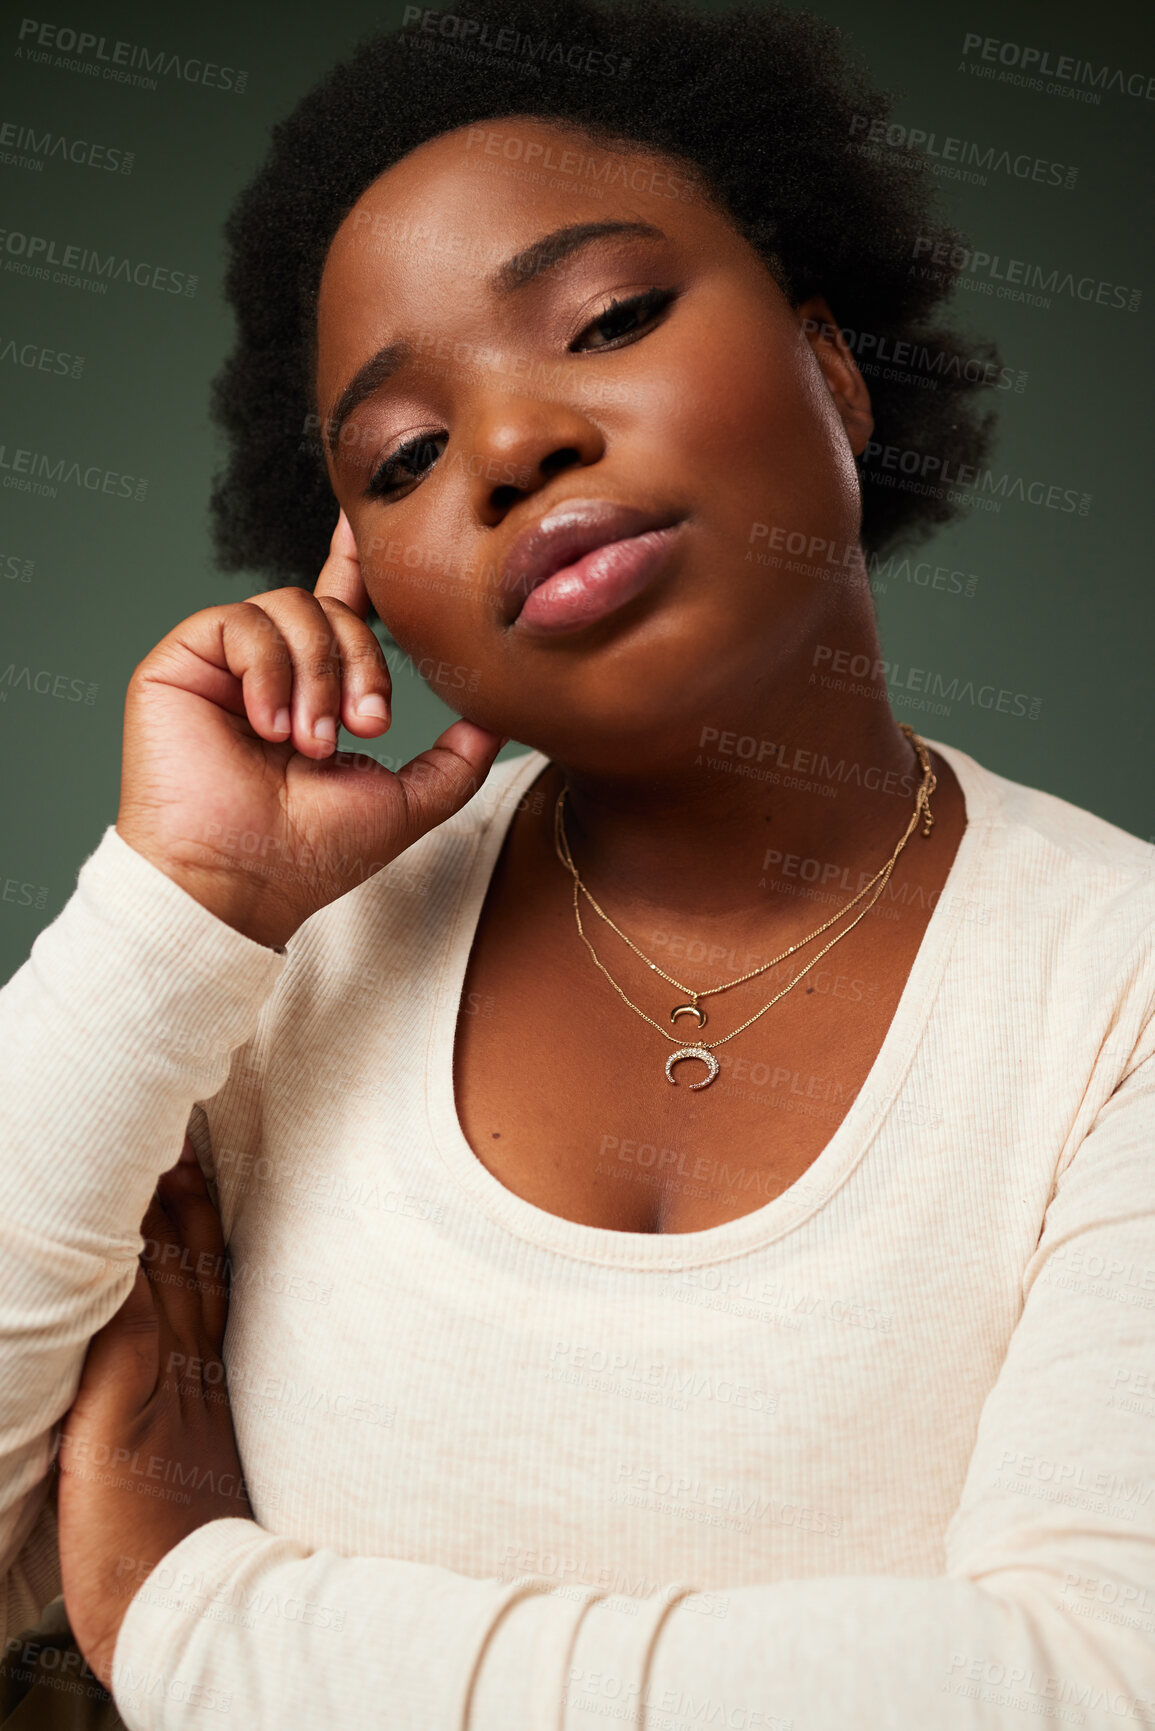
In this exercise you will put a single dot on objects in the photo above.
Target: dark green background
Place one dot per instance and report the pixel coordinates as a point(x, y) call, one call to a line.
point(1063, 609)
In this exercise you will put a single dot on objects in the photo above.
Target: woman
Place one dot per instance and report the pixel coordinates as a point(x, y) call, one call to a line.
point(687, 1189)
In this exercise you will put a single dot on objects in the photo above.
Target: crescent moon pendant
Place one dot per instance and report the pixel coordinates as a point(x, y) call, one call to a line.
point(702, 1052)
point(689, 1010)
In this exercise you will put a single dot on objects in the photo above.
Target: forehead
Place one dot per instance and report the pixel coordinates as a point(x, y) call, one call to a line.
point(457, 206)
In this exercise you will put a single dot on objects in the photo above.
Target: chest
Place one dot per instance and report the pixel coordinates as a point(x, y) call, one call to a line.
point(561, 1087)
point(483, 1405)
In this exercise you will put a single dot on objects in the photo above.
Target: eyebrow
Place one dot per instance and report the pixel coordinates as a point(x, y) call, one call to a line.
point(514, 274)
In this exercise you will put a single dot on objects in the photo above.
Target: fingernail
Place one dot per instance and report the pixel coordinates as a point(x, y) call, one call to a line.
point(325, 728)
point(282, 722)
point(372, 708)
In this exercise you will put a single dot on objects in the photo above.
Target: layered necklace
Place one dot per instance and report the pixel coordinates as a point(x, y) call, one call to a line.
point(692, 1005)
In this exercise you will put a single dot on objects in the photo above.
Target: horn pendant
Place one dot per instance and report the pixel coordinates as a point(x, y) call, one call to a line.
point(702, 1052)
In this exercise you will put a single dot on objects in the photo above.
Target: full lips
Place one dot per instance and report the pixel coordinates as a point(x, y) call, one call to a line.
point(596, 584)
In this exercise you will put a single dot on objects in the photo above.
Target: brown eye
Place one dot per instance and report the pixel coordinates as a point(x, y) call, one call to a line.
point(408, 463)
point(627, 318)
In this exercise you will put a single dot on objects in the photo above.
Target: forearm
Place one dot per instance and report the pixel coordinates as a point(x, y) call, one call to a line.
point(238, 1621)
point(1058, 1499)
point(126, 1013)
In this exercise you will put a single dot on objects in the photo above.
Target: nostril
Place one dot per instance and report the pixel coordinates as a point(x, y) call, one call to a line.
point(504, 496)
point(559, 460)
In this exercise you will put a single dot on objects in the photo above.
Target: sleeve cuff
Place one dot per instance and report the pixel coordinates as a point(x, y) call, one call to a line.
point(154, 1675)
point(132, 937)
point(136, 896)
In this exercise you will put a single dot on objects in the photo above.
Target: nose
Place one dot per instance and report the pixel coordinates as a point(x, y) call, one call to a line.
point(519, 444)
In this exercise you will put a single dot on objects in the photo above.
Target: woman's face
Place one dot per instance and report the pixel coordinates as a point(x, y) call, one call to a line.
point(706, 407)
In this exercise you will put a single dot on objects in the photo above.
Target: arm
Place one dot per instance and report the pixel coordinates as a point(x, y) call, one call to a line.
point(234, 827)
point(125, 1014)
point(1047, 1606)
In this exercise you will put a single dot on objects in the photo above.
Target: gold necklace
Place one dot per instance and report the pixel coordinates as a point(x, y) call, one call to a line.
point(705, 1050)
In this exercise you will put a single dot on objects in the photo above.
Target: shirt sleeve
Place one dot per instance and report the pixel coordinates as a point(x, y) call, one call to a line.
point(124, 1016)
point(1046, 1606)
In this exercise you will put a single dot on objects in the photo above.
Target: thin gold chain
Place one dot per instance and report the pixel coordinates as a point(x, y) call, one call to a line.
point(881, 878)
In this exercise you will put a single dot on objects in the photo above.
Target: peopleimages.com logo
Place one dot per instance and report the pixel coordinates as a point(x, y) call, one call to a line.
point(902, 357)
point(1019, 63)
point(471, 35)
point(954, 158)
point(932, 474)
point(38, 472)
point(858, 675)
point(1017, 278)
point(25, 147)
point(118, 61)
point(45, 258)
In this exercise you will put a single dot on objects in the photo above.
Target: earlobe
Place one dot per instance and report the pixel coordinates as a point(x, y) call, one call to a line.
point(845, 383)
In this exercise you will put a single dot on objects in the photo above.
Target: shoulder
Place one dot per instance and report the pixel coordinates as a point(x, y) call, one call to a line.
point(1056, 876)
point(1035, 822)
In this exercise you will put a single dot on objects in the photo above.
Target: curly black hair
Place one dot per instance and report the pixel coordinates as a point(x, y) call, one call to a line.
point(764, 107)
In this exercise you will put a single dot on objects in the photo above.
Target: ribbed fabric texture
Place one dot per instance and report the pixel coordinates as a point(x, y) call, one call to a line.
point(878, 1452)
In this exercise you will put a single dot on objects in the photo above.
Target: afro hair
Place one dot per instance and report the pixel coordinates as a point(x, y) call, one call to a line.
point(765, 106)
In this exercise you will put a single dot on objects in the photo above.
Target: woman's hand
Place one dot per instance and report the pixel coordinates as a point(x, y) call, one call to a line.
point(231, 783)
point(147, 1452)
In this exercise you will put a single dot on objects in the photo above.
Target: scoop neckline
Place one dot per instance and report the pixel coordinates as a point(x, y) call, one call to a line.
point(831, 1168)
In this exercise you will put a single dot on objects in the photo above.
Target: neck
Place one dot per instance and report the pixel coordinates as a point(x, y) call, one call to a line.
point(750, 806)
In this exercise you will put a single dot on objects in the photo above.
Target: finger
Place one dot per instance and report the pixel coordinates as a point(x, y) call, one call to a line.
point(340, 578)
point(366, 688)
point(315, 653)
point(179, 1294)
point(171, 1273)
point(234, 656)
point(195, 1225)
point(123, 1357)
point(188, 1261)
point(439, 781)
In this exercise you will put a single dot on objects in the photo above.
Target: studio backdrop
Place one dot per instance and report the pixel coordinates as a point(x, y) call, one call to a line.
point(1022, 634)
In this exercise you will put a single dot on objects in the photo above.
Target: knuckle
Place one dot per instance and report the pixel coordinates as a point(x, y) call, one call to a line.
point(313, 641)
point(266, 645)
point(256, 627)
point(319, 667)
point(361, 654)
point(141, 1320)
point(285, 592)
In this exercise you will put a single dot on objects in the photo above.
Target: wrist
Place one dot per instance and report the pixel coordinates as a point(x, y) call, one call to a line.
point(236, 899)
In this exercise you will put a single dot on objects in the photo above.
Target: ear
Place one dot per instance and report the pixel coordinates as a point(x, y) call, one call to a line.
point(341, 573)
point(843, 379)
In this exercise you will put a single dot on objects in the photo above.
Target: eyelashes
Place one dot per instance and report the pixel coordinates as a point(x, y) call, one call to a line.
point(398, 468)
point(646, 307)
point(626, 320)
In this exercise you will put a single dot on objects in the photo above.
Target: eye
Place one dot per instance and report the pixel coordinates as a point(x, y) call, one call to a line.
point(407, 464)
point(625, 319)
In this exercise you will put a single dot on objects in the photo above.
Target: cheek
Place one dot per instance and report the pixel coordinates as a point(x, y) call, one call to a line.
point(769, 439)
point(405, 581)
point(427, 597)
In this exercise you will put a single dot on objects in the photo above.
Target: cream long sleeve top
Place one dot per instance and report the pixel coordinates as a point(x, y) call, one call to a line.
point(880, 1452)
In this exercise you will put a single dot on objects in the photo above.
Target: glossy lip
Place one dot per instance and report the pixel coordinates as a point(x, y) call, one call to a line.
point(565, 535)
